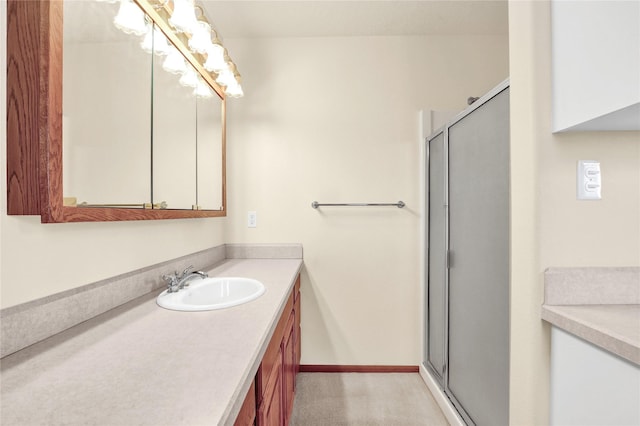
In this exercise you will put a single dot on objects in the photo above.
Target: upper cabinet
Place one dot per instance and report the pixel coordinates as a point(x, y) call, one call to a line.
point(106, 121)
point(596, 65)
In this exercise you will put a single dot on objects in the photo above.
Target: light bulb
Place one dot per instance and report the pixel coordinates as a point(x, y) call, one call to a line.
point(174, 62)
point(147, 42)
point(161, 45)
point(130, 18)
point(225, 77)
point(202, 90)
point(155, 40)
point(189, 78)
point(234, 90)
point(200, 40)
point(183, 17)
point(215, 58)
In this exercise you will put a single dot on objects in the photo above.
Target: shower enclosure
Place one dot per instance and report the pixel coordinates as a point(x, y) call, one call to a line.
point(467, 279)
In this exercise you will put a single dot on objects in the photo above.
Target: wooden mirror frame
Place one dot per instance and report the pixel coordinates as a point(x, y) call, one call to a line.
point(34, 123)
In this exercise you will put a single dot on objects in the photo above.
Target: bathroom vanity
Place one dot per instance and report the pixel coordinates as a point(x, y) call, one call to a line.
point(275, 380)
point(595, 345)
point(142, 364)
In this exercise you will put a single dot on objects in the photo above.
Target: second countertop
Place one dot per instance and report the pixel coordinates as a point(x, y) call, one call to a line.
point(615, 328)
point(599, 305)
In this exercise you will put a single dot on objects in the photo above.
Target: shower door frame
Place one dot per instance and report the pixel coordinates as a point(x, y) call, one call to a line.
point(443, 380)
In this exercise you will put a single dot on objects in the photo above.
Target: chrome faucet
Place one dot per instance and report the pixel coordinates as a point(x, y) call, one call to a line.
point(176, 282)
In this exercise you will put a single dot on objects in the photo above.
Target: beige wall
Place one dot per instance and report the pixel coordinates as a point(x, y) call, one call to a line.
point(327, 119)
point(38, 260)
point(549, 226)
point(336, 120)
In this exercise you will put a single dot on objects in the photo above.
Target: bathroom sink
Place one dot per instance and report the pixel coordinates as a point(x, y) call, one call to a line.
point(212, 293)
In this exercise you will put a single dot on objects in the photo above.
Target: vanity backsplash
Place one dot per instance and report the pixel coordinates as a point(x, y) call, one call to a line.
point(28, 323)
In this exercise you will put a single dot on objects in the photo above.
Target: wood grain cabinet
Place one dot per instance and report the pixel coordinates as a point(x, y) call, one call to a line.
point(247, 414)
point(289, 368)
point(275, 381)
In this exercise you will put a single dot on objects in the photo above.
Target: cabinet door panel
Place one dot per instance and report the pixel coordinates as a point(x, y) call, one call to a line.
point(271, 354)
point(247, 414)
point(174, 124)
point(289, 368)
point(275, 380)
point(106, 109)
point(297, 330)
point(270, 413)
point(209, 148)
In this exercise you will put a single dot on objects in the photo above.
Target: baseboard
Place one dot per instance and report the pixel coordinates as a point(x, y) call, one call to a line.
point(442, 400)
point(315, 368)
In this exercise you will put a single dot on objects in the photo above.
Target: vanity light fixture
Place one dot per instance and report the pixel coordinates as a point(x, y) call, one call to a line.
point(174, 62)
point(130, 18)
point(226, 77)
point(183, 17)
point(200, 40)
point(215, 58)
point(179, 18)
point(155, 40)
point(234, 90)
point(189, 78)
point(200, 32)
point(202, 89)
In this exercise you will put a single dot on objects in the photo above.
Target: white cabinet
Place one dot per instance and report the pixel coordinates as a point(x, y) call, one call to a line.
point(596, 65)
point(591, 386)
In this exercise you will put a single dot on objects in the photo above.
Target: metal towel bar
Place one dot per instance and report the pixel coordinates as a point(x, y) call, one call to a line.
point(399, 204)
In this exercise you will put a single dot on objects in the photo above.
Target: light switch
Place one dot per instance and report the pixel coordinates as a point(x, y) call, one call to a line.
point(588, 180)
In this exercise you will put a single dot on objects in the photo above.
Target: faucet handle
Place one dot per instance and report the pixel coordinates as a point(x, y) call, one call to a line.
point(170, 278)
point(172, 282)
point(185, 272)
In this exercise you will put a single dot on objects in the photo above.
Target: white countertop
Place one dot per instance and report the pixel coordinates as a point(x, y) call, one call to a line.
point(598, 304)
point(140, 364)
point(615, 328)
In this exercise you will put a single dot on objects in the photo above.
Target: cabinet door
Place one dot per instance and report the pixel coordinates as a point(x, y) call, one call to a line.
point(289, 368)
point(591, 386)
point(270, 412)
point(247, 414)
point(297, 336)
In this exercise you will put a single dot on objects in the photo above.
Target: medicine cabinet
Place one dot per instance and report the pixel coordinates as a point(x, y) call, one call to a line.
point(97, 129)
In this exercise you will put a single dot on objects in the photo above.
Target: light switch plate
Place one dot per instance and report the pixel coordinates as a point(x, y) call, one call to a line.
point(589, 180)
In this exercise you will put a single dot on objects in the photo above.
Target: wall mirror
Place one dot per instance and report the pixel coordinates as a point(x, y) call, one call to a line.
point(99, 128)
point(106, 109)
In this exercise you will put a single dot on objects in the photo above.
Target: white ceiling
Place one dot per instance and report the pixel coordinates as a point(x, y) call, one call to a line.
point(327, 18)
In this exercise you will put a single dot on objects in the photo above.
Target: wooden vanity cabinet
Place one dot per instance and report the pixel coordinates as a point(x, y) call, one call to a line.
point(275, 380)
point(296, 325)
point(270, 409)
point(289, 369)
point(247, 414)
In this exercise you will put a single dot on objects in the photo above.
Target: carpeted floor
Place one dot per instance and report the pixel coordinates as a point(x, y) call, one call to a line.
point(389, 399)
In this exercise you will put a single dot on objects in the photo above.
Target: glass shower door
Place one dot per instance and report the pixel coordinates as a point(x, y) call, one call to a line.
point(436, 258)
point(478, 286)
